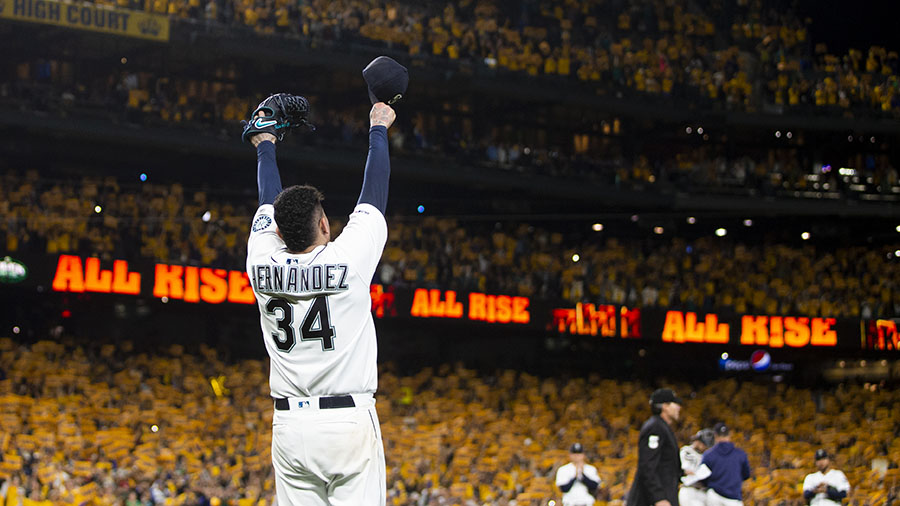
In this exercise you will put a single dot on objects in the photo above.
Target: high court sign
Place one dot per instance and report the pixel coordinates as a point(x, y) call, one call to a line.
point(86, 16)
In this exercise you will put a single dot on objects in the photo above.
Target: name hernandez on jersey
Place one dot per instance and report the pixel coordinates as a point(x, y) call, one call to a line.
point(298, 279)
point(315, 307)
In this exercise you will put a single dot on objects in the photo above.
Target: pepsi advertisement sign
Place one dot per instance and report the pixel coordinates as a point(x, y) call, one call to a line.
point(760, 361)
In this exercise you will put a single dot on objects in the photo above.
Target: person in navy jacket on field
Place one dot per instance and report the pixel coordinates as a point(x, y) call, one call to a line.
point(728, 468)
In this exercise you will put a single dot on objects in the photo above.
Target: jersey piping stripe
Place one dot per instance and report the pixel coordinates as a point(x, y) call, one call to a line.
point(317, 255)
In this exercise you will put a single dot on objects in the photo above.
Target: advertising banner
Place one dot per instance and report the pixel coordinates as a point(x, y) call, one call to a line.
point(195, 284)
point(97, 18)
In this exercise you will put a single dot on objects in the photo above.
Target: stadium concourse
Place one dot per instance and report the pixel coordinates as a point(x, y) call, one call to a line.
point(91, 423)
point(213, 106)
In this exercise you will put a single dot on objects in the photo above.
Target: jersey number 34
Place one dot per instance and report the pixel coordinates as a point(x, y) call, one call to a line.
point(316, 324)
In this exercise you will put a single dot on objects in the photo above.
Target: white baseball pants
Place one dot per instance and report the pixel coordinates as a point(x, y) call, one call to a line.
point(714, 499)
point(691, 496)
point(328, 457)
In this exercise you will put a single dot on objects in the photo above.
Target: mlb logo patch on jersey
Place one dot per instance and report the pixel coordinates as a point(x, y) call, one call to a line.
point(653, 442)
point(303, 404)
point(261, 222)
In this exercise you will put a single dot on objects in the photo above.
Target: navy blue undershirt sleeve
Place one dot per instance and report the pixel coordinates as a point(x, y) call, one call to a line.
point(267, 177)
point(808, 495)
point(589, 483)
point(835, 494)
point(567, 486)
point(378, 170)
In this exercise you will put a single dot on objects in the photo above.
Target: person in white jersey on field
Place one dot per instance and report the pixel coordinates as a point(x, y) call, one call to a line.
point(315, 314)
point(577, 480)
point(827, 486)
point(691, 457)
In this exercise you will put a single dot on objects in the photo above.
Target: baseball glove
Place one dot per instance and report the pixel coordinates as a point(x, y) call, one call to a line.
point(281, 112)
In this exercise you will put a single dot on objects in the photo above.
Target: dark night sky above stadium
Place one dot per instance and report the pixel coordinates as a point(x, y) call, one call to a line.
point(844, 24)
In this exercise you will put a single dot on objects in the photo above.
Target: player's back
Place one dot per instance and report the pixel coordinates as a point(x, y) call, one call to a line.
point(315, 308)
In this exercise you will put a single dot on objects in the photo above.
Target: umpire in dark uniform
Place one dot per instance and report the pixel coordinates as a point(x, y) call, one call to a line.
point(659, 466)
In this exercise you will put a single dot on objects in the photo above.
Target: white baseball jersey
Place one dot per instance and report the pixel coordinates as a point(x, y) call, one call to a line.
point(693, 494)
point(315, 308)
point(833, 478)
point(578, 495)
point(690, 461)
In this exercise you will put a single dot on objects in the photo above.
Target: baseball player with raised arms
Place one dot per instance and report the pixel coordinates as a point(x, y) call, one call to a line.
point(315, 314)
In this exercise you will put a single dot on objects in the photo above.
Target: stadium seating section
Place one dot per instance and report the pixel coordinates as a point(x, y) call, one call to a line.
point(103, 424)
point(107, 425)
point(165, 223)
point(751, 55)
point(215, 105)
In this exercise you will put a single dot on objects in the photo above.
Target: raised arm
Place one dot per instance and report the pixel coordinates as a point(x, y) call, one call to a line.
point(267, 177)
point(378, 164)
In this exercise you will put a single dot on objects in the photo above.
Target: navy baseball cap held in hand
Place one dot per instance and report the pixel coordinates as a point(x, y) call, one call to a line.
point(387, 80)
point(664, 395)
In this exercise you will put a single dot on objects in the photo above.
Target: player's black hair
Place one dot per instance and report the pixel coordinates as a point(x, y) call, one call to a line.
point(654, 408)
point(297, 213)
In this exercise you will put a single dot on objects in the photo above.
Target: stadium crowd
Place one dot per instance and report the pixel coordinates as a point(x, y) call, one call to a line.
point(168, 223)
point(597, 153)
point(106, 424)
point(746, 55)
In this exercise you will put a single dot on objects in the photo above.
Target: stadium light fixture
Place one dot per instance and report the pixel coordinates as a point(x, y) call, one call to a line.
point(721, 232)
point(16, 329)
point(748, 223)
point(898, 228)
point(804, 236)
point(598, 227)
point(206, 216)
point(98, 209)
point(658, 230)
point(691, 220)
point(576, 257)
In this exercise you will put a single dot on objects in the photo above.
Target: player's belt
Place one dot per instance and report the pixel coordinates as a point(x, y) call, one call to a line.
point(340, 401)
